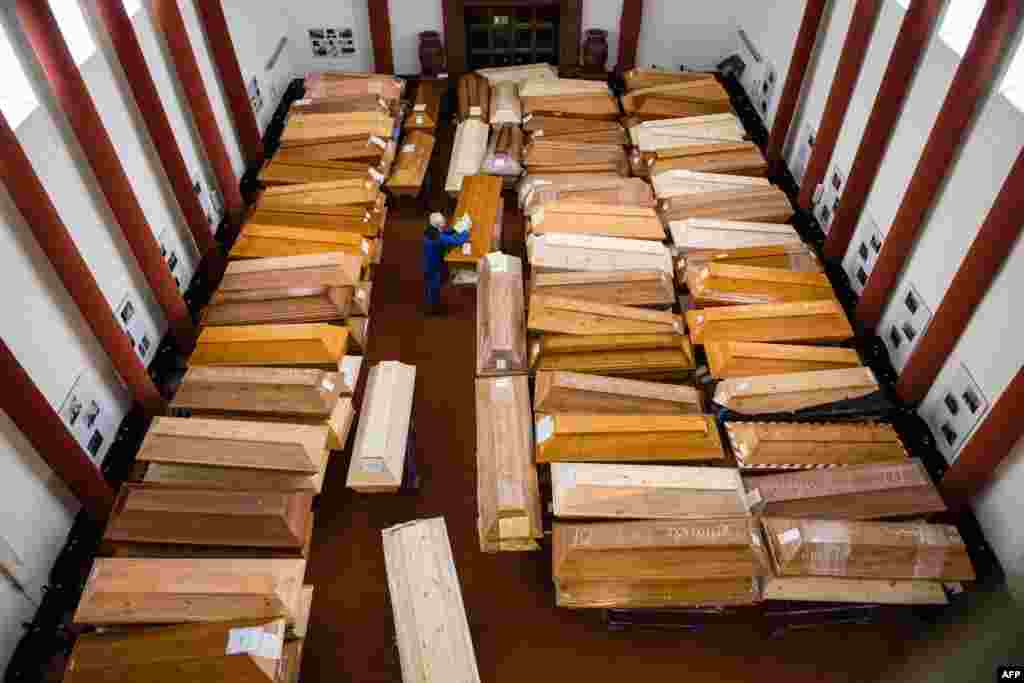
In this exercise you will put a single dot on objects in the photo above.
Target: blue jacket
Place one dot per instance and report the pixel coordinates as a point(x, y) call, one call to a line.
point(434, 252)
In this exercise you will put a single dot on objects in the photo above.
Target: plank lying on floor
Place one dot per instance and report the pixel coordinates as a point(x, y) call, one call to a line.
point(500, 316)
point(378, 456)
point(172, 590)
point(561, 252)
point(434, 643)
point(646, 491)
point(641, 356)
point(722, 284)
point(749, 359)
point(794, 391)
point(873, 550)
point(586, 218)
point(154, 514)
point(806, 321)
point(872, 491)
point(793, 445)
point(581, 317)
point(627, 438)
point(251, 651)
point(871, 591)
point(301, 345)
point(700, 233)
point(620, 287)
point(570, 392)
point(508, 497)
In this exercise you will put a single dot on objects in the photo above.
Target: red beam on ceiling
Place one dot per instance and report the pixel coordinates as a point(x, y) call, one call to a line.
point(798, 64)
point(222, 50)
point(38, 421)
point(172, 24)
point(69, 89)
point(915, 32)
point(122, 35)
point(380, 31)
point(988, 447)
point(629, 34)
point(855, 48)
point(998, 23)
point(981, 265)
point(30, 197)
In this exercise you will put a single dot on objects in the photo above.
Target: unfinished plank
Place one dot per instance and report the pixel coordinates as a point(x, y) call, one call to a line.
point(310, 344)
point(619, 287)
point(796, 445)
point(748, 359)
point(805, 322)
point(434, 643)
point(794, 391)
point(173, 590)
point(627, 438)
point(378, 456)
point(725, 284)
point(500, 316)
point(571, 392)
point(870, 591)
point(508, 497)
point(581, 317)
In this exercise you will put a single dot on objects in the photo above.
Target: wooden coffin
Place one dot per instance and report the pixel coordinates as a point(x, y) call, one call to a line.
point(697, 233)
point(175, 590)
point(317, 128)
point(576, 393)
point(508, 497)
point(696, 97)
point(626, 594)
point(519, 73)
point(411, 164)
point(750, 359)
point(323, 84)
point(339, 105)
point(593, 131)
point(426, 108)
point(872, 550)
point(358, 328)
point(582, 317)
point(627, 438)
point(500, 317)
point(587, 218)
point(751, 204)
point(872, 491)
point(745, 160)
point(296, 395)
point(795, 257)
point(474, 97)
point(870, 591)
point(357, 192)
point(805, 322)
point(598, 188)
point(601, 106)
point(544, 155)
point(434, 642)
point(546, 87)
point(147, 514)
point(481, 202)
point(359, 220)
point(724, 284)
point(278, 172)
point(378, 456)
point(468, 152)
point(505, 151)
point(639, 77)
point(241, 651)
point(371, 150)
point(259, 241)
point(646, 491)
point(619, 287)
point(793, 445)
point(656, 357)
point(558, 252)
point(306, 345)
point(764, 394)
point(328, 306)
point(675, 137)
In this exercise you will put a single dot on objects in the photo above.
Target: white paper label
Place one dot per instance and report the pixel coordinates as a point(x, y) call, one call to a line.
point(475, 111)
point(366, 247)
point(789, 536)
point(349, 367)
point(502, 364)
point(420, 107)
point(545, 428)
point(538, 133)
point(408, 149)
point(382, 103)
point(527, 118)
point(378, 141)
point(373, 465)
point(444, 75)
point(254, 641)
point(538, 216)
point(326, 384)
point(419, 119)
point(377, 175)
point(467, 249)
point(496, 262)
point(499, 161)
point(303, 102)
point(504, 382)
point(361, 294)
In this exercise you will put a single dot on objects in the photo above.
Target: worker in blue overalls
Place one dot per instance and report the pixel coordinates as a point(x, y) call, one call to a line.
point(438, 238)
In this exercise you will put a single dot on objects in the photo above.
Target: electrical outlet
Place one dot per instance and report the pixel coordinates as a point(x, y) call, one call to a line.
point(953, 410)
point(255, 95)
point(90, 419)
point(211, 202)
point(178, 260)
point(903, 324)
point(803, 151)
point(767, 91)
point(141, 332)
point(828, 200)
point(863, 253)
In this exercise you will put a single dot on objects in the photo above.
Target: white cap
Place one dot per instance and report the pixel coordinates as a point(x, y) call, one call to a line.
point(437, 220)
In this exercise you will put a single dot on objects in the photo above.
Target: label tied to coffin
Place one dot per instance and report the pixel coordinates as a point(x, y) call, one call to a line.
point(475, 111)
point(444, 75)
point(467, 249)
point(376, 175)
point(408, 149)
point(501, 364)
point(420, 107)
point(496, 262)
point(527, 118)
point(789, 536)
point(464, 224)
point(349, 367)
point(503, 382)
point(419, 119)
point(538, 216)
point(366, 247)
point(254, 641)
point(500, 162)
point(326, 384)
point(361, 294)
point(538, 133)
point(373, 465)
point(545, 428)
point(303, 102)
point(679, 327)
point(382, 103)
point(375, 140)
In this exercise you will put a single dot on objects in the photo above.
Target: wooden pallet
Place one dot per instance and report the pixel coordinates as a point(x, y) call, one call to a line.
point(378, 456)
point(304, 345)
point(801, 445)
point(764, 394)
point(748, 359)
point(576, 393)
point(627, 438)
point(804, 322)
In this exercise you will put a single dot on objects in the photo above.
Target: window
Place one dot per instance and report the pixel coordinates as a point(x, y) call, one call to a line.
point(75, 29)
point(17, 98)
point(958, 24)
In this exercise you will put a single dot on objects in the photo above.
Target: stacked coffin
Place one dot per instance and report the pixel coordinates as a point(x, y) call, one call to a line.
point(480, 210)
point(715, 143)
point(571, 98)
point(688, 95)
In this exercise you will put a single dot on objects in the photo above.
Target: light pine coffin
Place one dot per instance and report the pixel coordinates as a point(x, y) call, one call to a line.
point(378, 456)
point(500, 316)
point(641, 77)
point(576, 393)
point(795, 256)
point(794, 391)
point(688, 134)
point(175, 590)
point(654, 357)
point(301, 345)
point(561, 252)
point(870, 591)
point(688, 98)
point(580, 317)
point(434, 643)
point(743, 159)
point(803, 445)
point(620, 287)
point(872, 550)
point(749, 359)
point(805, 322)
point(627, 438)
point(468, 152)
point(586, 490)
point(586, 218)
point(268, 241)
point(695, 233)
point(508, 497)
point(554, 155)
point(721, 284)
point(872, 491)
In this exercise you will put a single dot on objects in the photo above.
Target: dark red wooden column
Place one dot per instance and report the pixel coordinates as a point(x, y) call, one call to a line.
point(69, 89)
point(122, 35)
point(380, 32)
point(38, 421)
point(988, 447)
point(998, 23)
point(629, 34)
point(31, 199)
point(172, 25)
point(855, 47)
point(915, 32)
point(988, 252)
point(802, 51)
point(222, 50)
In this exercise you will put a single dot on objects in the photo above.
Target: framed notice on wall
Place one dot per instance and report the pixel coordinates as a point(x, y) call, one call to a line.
point(332, 42)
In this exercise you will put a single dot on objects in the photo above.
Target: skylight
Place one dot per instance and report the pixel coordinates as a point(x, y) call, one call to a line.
point(958, 24)
point(17, 98)
point(76, 32)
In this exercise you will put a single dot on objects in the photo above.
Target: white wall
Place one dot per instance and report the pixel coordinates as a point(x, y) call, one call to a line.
point(694, 35)
point(408, 18)
point(307, 14)
point(607, 15)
